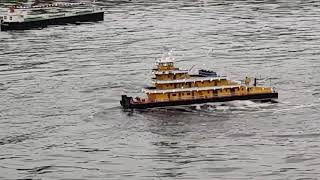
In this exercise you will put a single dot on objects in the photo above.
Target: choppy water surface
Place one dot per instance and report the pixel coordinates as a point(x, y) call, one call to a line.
point(60, 89)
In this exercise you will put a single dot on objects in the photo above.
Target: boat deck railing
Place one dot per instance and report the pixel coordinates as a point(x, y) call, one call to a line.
point(146, 100)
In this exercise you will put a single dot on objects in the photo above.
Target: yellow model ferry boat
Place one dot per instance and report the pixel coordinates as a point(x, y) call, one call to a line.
point(174, 87)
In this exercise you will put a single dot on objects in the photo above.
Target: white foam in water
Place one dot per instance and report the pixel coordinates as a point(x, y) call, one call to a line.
point(243, 103)
point(232, 105)
point(210, 108)
point(224, 108)
point(250, 104)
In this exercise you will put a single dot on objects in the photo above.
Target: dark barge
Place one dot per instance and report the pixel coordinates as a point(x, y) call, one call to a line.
point(22, 19)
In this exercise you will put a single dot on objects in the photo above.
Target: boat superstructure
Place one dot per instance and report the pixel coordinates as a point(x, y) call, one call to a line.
point(29, 17)
point(174, 86)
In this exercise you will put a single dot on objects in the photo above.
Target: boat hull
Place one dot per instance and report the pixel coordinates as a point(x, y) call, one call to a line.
point(126, 102)
point(88, 17)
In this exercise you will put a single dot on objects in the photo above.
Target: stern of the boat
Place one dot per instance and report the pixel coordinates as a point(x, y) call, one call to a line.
point(125, 101)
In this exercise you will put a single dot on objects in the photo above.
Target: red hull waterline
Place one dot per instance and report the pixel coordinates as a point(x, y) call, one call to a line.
point(127, 103)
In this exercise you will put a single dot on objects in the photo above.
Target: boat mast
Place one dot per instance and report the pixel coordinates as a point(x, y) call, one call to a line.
point(29, 4)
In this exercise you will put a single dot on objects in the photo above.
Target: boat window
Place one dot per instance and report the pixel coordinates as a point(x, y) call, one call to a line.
point(174, 94)
point(5, 17)
point(188, 94)
point(10, 17)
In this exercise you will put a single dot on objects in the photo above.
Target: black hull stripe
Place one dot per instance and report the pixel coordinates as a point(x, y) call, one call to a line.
point(268, 96)
point(89, 17)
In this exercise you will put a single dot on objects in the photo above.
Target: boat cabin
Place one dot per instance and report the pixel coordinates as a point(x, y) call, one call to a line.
point(14, 15)
point(204, 92)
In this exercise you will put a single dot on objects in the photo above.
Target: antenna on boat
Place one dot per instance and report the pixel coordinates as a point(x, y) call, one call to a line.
point(167, 57)
point(29, 4)
point(270, 82)
point(93, 4)
point(192, 68)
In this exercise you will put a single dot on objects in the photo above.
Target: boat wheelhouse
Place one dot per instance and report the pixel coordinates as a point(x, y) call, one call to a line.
point(174, 86)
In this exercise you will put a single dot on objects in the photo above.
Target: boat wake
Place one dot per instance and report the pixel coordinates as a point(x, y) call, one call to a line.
point(233, 106)
point(296, 107)
point(241, 106)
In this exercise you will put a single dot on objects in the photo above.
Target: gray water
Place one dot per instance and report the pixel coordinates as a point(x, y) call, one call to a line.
point(60, 87)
